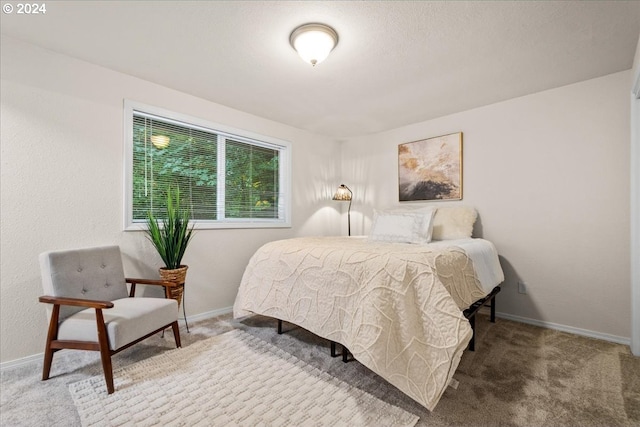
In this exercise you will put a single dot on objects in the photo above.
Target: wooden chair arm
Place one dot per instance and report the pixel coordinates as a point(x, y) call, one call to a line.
point(89, 303)
point(151, 282)
point(167, 285)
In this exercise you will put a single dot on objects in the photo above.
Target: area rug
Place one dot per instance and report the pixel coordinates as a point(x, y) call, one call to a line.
point(231, 379)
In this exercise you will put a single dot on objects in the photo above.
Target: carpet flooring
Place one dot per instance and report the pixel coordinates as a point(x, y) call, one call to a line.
point(519, 375)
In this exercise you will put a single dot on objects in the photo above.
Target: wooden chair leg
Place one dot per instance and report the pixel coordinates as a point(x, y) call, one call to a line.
point(48, 359)
point(105, 354)
point(52, 335)
point(176, 333)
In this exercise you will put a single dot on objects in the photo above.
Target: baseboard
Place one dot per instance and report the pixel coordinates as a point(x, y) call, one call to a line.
point(38, 357)
point(564, 328)
point(22, 361)
point(208, 314)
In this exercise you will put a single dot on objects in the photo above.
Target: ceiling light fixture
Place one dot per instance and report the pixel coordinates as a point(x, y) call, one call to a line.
point(313, 42)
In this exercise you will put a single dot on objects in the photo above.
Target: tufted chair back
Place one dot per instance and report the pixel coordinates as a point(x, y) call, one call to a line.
point(92, 273)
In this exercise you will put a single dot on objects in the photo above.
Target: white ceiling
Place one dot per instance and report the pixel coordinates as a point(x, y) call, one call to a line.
point(396, 63)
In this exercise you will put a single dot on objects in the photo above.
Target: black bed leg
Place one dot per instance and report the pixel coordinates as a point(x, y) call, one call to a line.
point(472, 343)
point(345, 354)
point(279, 327)
point(493, 309)
point(333, 349)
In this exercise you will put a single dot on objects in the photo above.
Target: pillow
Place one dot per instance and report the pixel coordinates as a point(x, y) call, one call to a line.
point(454, 222)
point(402, 227)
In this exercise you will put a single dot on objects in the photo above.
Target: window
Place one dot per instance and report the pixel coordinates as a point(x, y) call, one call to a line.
point(228, 178)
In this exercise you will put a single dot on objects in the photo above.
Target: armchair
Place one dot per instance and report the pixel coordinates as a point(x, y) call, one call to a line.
point(89, 307)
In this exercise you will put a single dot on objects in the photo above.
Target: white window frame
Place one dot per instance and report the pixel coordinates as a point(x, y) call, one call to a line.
point(284, 148)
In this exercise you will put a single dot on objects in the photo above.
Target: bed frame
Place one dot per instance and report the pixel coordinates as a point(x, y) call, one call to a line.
point(469, 313)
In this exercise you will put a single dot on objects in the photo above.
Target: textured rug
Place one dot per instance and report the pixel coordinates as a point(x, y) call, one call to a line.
point(231, 379)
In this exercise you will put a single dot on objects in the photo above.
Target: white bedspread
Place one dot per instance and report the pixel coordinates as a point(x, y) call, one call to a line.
point(396, 307)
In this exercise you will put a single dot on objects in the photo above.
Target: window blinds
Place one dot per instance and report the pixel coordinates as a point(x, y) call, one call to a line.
point(168, 153)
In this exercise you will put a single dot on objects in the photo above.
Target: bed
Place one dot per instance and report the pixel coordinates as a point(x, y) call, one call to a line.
point(399, 307)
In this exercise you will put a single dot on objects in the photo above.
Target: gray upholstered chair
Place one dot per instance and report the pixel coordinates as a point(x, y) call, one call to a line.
point(90, 309)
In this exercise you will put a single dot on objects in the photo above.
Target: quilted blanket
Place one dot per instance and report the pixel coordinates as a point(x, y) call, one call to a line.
point(396, 307)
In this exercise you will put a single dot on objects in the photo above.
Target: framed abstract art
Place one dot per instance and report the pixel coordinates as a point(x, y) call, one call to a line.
point(431, 169)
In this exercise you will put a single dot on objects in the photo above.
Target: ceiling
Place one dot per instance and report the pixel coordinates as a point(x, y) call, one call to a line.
point(396, 63)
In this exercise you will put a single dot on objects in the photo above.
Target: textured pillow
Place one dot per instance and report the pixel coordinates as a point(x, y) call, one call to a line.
point(454, 222)
point(402, 227)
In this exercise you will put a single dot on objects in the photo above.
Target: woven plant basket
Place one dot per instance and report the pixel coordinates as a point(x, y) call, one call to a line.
point(177, 276)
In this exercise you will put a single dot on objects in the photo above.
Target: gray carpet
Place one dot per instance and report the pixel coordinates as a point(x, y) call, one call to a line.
point(519, 375)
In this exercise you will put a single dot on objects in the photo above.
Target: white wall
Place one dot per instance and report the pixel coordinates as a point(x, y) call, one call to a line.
point(62, 185)
point(635, 204)
point(549, 176)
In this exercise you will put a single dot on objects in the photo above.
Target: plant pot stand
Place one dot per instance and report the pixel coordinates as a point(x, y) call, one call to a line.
point(177, 276)
point(177, 293)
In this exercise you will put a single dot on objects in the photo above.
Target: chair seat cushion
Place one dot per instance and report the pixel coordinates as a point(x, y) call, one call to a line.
point(128, 320)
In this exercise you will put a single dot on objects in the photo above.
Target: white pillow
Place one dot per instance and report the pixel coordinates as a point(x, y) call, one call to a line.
point(454, 222)
point(402, 227)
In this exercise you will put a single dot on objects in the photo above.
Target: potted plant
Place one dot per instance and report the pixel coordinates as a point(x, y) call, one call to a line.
point(170, 236)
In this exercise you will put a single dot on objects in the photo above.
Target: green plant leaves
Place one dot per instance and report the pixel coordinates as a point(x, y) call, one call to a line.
point(170, 235)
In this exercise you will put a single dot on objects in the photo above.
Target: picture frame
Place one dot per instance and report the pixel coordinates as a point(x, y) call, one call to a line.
point(430, 169)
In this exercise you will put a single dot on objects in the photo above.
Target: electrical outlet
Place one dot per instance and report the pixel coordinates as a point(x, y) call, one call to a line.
point(522, 287)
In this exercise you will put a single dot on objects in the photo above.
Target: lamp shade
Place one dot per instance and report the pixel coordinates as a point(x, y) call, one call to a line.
point(343, 193)
point(313, 42)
